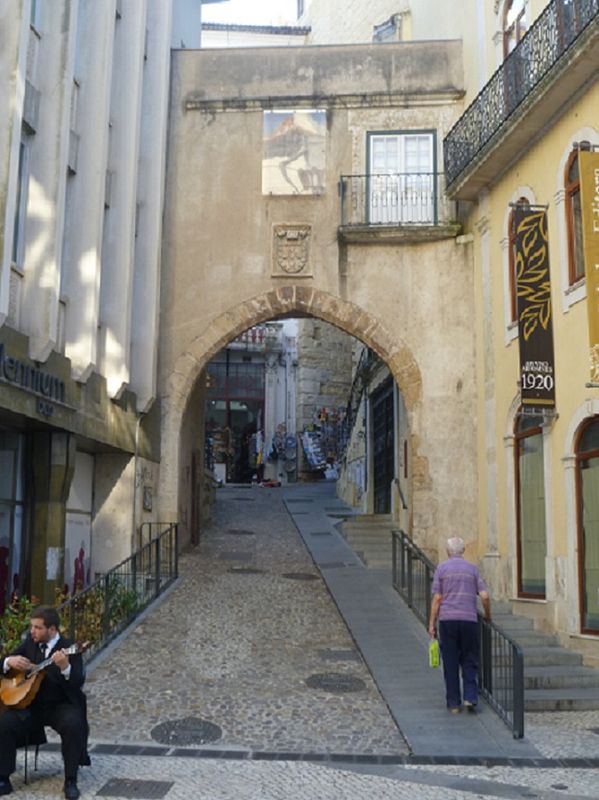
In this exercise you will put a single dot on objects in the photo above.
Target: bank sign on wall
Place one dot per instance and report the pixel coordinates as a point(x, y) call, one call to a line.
point(589, 195)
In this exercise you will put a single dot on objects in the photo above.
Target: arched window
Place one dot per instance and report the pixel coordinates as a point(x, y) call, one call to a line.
point(587, 479)
point(530, 505)
point(574, 218)
point(522, 201)
point(514, 24)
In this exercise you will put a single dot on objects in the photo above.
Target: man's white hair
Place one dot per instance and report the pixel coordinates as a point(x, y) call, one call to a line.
point(455, 546)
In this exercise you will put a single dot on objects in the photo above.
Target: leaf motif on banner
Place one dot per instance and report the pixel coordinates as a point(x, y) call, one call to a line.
point(532, 274)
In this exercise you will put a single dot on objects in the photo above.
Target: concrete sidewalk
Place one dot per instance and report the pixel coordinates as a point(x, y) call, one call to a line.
point(393, 642)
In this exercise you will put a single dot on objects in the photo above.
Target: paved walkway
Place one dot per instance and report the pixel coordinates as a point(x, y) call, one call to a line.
point(393, 642)
point(231, 652)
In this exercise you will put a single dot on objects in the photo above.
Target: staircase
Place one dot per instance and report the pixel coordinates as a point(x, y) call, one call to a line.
point(554, 677)
point(369, 536)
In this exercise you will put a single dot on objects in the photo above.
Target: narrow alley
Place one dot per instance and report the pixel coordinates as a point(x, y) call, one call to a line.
point(246, 683)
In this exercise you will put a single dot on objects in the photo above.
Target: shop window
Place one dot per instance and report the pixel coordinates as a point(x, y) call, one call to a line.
point(587, 475)
point(514, 24)
point(11, 516)
point(530, 504)
point(574, 218)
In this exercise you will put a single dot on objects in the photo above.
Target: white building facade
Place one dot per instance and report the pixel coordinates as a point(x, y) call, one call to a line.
point(82, 164)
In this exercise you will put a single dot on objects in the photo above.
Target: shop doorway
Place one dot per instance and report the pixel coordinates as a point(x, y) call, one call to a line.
point(12, 505)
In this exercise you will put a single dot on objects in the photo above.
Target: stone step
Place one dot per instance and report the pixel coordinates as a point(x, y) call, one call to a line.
point(355, 525)
point(365, 542)
point(378, 563)
point(560, 677)
point(532, 638)
point(385, 519)
point(550, 656)
point(582, 699)
point(510, 622)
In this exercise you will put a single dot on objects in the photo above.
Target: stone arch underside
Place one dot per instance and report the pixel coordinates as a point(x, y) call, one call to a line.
point(277, 303)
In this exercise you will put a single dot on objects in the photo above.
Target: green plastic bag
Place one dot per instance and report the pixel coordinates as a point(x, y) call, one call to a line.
point(433, 653)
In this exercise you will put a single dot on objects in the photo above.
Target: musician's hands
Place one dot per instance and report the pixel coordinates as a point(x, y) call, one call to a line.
point(60, 659)
point(18, 663)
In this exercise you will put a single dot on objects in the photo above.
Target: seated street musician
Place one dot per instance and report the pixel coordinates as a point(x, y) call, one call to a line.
point(59, 701)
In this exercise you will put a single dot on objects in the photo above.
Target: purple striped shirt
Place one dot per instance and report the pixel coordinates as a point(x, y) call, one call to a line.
point(458, 582)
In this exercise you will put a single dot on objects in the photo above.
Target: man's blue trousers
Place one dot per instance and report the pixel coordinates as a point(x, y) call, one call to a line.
point(458, 640)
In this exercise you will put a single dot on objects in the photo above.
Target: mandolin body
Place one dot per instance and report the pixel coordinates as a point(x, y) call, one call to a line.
point(18, 690)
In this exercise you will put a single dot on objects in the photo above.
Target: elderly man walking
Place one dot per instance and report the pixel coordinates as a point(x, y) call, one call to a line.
point(456, 585)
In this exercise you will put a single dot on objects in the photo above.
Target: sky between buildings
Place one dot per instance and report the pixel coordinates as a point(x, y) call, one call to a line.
point(252, 12)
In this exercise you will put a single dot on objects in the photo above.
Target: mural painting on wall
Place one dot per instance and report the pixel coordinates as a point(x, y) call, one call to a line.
point(294, 151)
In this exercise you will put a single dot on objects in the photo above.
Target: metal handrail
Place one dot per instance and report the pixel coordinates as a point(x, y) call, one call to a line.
point(501, 668)
point(551, 35)
point(101, 611)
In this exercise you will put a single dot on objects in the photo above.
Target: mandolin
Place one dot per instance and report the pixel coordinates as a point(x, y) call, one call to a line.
point(18, 689)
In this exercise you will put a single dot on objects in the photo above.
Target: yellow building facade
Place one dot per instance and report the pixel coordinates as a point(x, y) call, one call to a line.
point(515, 159)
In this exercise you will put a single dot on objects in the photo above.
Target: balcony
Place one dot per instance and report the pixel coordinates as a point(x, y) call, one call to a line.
point(401, 207)
point(554, 63)
point(259, 338)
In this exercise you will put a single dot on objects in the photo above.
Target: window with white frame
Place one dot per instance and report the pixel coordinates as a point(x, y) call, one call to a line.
point(401, 177)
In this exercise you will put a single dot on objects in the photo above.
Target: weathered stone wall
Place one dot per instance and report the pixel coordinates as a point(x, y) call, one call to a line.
point(329, 25)
point(411, 301)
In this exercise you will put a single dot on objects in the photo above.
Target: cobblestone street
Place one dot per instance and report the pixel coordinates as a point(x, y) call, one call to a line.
point(235, 642)
point(233, 646)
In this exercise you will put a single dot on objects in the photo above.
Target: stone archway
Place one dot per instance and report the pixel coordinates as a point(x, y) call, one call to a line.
point(284, 301)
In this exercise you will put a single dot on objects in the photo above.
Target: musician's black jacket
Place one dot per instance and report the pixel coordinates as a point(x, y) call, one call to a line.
point(55, 689)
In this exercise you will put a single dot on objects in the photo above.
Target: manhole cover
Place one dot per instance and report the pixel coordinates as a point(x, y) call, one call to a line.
point(301, 576)
point(335, 682)
point(190, 730)
point(244, 499)
point(125, 787)
point(239, 532)
point(246, 571)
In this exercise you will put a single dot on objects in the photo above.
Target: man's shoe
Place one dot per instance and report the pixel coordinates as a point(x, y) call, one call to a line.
point(71, 792)
point(5, 786)
point(471, 707)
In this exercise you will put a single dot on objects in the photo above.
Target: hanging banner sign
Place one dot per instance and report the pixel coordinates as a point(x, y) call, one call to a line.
point(588, 163)
point(533, 292)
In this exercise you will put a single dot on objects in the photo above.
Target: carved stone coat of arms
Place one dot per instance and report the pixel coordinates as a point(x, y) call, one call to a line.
point(291, 250)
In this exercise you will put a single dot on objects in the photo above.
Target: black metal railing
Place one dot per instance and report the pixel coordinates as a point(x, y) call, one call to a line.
point(412, 575)
point(501, 668)
point(395, 200)
point(149, 531)
point(100, 612)
point(553, 33)
point(501, 675)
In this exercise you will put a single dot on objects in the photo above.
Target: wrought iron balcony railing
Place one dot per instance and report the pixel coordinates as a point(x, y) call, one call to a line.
point(548, 40)
point(395, 200)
